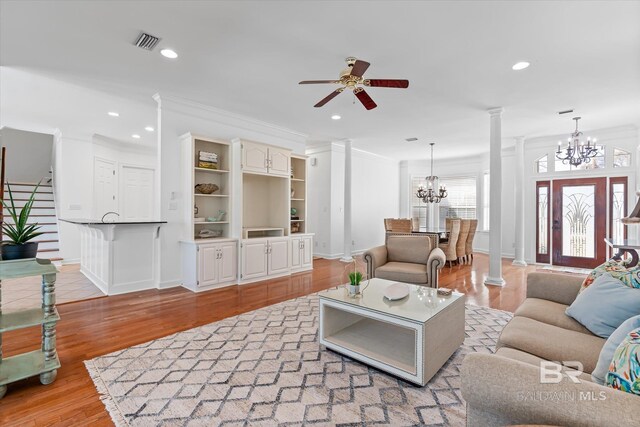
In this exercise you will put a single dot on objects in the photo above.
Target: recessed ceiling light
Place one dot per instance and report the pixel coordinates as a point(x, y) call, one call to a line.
point(135, 136)
point(336, 117)
point(149, 129)
point(168, 53)
point(520, 65)
point(113, 114)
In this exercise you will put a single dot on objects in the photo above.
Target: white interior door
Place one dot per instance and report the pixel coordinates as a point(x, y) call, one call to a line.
point(137, 194)
point(104, 187)
point(207, 260)
point(279, 257)
point(228, 262)
point(254, 259)
point(279, 161)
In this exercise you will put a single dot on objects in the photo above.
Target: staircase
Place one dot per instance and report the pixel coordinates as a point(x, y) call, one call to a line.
point(43, 212)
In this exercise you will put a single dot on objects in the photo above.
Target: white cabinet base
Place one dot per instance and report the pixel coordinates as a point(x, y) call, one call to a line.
point(209, 264)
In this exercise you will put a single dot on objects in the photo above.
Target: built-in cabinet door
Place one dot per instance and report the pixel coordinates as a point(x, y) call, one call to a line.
point(278, 256)
point(306, 253)
point(296, 258)
point(254, 259)
point(279, 161)
point(227, 262)
point(254, 157)
point(208, 265)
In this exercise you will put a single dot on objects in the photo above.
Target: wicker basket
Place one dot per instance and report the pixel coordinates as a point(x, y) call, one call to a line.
point(207, 188)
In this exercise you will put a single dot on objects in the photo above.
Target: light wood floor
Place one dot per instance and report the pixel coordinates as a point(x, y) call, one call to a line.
point(96, 327)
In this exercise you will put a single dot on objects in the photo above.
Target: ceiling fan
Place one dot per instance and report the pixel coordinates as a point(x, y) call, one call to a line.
point(351, 78)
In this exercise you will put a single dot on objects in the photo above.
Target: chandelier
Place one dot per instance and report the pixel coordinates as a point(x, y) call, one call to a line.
point(577, 152)
point(428, 193)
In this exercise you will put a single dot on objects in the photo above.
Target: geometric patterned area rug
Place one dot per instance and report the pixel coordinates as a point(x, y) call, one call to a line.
point(265, 368)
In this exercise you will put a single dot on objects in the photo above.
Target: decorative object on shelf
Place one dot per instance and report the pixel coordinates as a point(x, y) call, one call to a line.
point(577, 152)
point(206, 188)
point(219, 217)
point(207, 160)
point(195, 210)
point(20, 232)
point(293, 193)
point(199, 219)
point(294, 212)
point(432, 192)
point(291, 171)
point(396, 291)
point(207, 234)
point(295, 227)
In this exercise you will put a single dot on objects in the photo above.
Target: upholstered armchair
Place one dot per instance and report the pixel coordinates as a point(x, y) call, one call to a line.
point(408, 259)
point(449, 247)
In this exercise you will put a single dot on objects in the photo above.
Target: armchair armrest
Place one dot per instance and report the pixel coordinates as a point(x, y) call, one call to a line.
point(560, 288)
point(375, 258)
point(436, 261)
point(503, 391)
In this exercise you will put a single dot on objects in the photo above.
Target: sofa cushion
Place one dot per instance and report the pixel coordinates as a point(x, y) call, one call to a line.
point(549, 312)
point(521, 356)
point(617, 270)
point(403, 272)
point(624, 371)
point(606, 355)
point(412, 249)
point(551, 342)
point(605, 304)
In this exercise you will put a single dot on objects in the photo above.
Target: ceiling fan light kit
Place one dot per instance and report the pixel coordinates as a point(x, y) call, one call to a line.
point(351, 78)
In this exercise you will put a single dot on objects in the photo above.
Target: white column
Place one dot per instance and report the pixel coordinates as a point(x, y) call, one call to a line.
point(519, 195)
point(346, 257)
point(495, 199)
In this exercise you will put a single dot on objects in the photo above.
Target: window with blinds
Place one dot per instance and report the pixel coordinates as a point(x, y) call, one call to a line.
point(460, 203)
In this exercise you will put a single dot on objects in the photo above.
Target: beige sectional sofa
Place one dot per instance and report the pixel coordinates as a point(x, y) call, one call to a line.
point(505, 388)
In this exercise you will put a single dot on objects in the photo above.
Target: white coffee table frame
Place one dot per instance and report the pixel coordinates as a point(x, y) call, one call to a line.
point(412, 347)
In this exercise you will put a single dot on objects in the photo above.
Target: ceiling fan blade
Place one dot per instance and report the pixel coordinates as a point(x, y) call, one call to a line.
point(365, 99)
point(314, 82)
point(329, 97)
point(359, 67)
point(402, 84)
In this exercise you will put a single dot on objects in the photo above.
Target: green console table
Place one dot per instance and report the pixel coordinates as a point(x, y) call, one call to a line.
point(43, 362)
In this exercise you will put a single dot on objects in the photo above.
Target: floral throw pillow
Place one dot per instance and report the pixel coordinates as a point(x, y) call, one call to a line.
point(624, 371)
point(617, 270)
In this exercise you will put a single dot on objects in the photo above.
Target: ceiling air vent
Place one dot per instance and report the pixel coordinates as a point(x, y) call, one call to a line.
point(565, 112)
point(147, 41)
point(414, 139)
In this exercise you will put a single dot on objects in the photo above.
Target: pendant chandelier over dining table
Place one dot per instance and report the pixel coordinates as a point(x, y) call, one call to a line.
point(432, 192)
point(576, 151)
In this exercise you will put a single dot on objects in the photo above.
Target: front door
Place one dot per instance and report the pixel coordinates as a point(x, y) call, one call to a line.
point(579, 222)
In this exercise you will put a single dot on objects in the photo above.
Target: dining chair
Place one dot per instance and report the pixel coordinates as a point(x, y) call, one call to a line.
point(449, 248)
point(461, 244)
point(468, 252)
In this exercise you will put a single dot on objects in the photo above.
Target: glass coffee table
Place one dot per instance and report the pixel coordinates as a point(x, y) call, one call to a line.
point(411, 338)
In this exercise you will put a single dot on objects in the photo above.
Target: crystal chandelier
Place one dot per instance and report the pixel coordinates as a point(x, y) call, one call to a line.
point(577, 152)
point(428, 193)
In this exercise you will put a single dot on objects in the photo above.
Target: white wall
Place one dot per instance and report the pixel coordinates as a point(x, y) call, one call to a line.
point(175, 118)
point(29, 155)
point(374, 196)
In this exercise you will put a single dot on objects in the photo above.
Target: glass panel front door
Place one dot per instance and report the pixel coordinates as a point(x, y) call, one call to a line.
point(579, 222)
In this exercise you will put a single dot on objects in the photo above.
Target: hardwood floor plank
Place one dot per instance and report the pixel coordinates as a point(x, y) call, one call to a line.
point(99, 326)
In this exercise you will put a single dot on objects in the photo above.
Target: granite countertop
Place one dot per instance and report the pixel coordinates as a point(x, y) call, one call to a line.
point(85, 221)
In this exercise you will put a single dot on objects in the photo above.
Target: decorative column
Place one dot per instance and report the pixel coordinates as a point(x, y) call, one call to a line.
point(495, 200)
point(346, 257)
point(519, 195)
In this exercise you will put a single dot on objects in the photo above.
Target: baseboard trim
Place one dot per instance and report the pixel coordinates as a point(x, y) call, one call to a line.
point(169, 284)
point(70, 261)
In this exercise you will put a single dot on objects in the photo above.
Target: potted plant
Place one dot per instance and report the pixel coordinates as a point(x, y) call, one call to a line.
point(355, 277)
point(20, 232)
